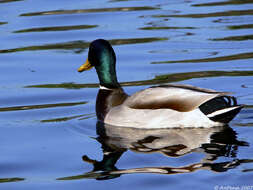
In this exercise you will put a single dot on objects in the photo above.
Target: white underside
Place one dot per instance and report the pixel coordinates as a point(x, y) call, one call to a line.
point(158, 118)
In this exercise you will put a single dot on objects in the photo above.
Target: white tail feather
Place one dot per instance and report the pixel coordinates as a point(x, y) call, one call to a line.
point(219, 112)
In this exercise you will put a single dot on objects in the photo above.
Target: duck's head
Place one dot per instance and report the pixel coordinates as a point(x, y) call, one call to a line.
point(101, 56)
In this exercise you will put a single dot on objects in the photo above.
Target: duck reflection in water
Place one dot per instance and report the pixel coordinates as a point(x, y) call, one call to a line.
point(174, 142)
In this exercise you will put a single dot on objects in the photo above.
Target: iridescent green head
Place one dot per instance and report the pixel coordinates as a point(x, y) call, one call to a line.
point(101, 55)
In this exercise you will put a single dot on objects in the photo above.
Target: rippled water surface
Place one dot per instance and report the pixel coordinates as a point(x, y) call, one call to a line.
point(49, 135)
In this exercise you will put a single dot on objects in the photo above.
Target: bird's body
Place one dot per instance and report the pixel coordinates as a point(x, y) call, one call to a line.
point(165, 106)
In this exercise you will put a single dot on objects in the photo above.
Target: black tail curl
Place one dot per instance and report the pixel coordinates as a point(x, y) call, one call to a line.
point(221, 103)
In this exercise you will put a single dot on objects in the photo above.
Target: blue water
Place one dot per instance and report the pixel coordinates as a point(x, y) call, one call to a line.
point(49, 135)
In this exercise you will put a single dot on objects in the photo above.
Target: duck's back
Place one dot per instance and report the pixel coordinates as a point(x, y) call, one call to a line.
point(172, 106)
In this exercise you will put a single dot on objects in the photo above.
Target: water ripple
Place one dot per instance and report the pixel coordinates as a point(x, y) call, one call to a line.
point(159, 79)
point(2, 23)
point(9, 1)
point(215, 14)
point(14, 179)
point(239, 56)
point(79, 46)
point(234, 38)
point(222, 3)
point(56, 28)
point(42, 106)
point(238, 27)
point(77, 11)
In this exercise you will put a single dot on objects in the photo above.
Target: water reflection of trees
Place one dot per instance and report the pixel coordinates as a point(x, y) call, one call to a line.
point(79, 46)
point(9, 1)
point(222, 3)
point(158, 79)
point(78, 11)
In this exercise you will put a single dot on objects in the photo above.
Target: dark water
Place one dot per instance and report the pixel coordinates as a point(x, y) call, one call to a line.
point(49, 137)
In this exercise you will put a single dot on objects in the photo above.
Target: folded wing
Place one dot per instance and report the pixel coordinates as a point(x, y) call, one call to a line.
point(181, 98)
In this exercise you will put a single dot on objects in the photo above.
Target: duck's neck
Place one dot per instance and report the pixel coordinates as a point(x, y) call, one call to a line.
point(107, 76)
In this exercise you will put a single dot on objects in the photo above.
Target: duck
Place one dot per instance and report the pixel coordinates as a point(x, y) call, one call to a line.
point(162, 106)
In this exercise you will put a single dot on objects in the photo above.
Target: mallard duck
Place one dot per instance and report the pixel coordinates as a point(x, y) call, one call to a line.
point(164, 106)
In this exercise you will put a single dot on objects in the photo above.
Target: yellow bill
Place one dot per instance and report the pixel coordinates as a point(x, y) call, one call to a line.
point(86, 66)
